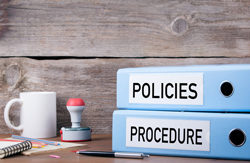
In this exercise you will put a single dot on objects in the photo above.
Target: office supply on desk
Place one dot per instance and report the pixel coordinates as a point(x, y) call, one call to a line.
point(35, 140)
point(64, 146)
point(54, 156)
point(75, 133)
point(33, 143)
point(114, 154)
point(37, 114)
point(11, 148)
point(37, 146)
point(185, 88)
point(187, 134)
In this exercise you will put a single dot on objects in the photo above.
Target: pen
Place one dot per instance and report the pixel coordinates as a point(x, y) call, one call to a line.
point(113, 154)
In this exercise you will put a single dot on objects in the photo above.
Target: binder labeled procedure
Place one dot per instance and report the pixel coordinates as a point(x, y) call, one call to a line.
point(186, 88)
point(189, 134)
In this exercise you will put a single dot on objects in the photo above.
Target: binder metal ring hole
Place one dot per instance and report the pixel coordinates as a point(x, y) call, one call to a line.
point(226, 89)
point(237, 137)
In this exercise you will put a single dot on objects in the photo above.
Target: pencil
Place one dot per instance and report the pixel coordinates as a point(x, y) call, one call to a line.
point(35, 140)
point(43, 144)
point(37, 146)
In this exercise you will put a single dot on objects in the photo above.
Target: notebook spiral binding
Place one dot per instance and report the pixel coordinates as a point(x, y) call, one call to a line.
point(14, 149)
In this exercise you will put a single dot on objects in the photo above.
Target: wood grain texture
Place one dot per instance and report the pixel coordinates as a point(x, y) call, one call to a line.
point(118, 28)
point(93, 80)
point(132, 33)
point(3, 16)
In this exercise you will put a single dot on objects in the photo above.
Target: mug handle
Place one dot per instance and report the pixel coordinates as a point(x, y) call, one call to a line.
point(6, 114)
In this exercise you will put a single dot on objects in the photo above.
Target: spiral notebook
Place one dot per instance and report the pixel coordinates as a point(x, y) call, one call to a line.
point(51, 148)
point(10, 148)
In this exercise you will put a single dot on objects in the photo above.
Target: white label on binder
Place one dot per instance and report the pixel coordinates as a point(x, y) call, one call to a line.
point(168, 134)
point(166, 88)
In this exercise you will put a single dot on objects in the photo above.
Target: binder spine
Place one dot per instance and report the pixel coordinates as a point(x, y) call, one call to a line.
point(213, 88)
point(14, 149)
point(188, 134)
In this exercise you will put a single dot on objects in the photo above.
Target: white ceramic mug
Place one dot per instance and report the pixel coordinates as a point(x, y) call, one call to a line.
point(37, 114)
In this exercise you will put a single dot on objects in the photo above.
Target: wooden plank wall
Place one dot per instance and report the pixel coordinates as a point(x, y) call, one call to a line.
point(76, 47)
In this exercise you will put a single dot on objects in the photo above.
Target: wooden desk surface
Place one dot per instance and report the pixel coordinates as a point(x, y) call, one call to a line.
point(100, 143)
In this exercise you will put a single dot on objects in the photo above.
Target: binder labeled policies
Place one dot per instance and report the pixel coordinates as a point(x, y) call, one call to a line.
point(217, 88)
point(189, 134)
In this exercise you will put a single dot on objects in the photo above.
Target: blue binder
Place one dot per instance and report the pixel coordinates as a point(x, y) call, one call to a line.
point(216, 88)
point(189, 134)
